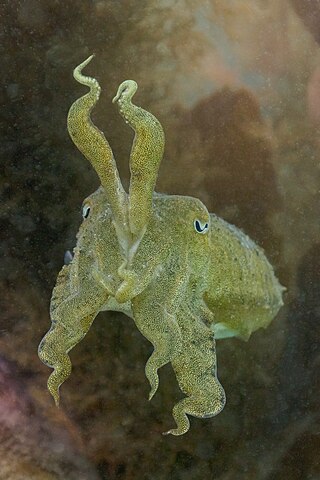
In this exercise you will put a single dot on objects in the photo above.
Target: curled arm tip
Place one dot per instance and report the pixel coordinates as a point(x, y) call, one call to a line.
point(126, 90)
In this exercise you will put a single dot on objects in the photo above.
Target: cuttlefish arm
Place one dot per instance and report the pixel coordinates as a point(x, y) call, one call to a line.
point(196, 371)
point(72, 314)
point(94, 146)
point(145, 157)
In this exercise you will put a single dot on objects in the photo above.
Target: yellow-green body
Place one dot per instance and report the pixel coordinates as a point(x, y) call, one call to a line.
point(183, 275)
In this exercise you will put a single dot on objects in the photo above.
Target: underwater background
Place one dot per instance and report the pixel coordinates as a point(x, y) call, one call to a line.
point(236, 86)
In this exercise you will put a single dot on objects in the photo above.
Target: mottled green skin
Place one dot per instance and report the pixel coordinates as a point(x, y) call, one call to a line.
point(142, 253)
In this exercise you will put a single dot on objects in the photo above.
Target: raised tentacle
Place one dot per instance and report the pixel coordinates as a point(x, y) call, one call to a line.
point(145, 156)
point(94, 146)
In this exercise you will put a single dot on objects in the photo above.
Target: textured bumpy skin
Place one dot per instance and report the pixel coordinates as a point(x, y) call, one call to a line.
point(183, 275)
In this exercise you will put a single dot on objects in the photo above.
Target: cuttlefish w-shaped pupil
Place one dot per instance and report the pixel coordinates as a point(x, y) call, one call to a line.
point(201, 227)
point(182, 290)
point(85, 211)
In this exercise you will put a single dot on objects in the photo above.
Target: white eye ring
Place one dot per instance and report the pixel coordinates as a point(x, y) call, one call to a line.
point(85, 210)
point(201, 227)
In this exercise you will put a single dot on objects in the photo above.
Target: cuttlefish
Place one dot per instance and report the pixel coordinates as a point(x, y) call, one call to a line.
point(185, 276)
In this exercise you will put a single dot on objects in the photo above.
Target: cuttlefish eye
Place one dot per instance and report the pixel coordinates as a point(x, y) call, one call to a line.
point(201, 227)
point(85, 210)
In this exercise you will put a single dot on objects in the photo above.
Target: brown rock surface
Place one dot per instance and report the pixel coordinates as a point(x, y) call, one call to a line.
point(36, 442)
